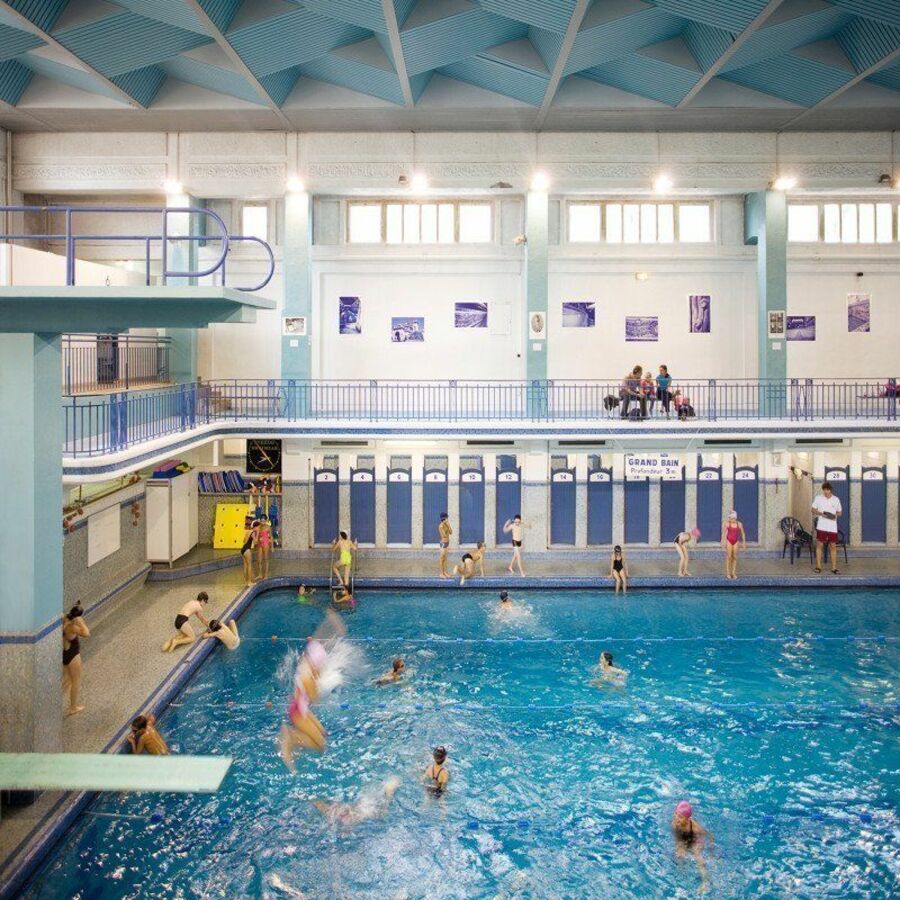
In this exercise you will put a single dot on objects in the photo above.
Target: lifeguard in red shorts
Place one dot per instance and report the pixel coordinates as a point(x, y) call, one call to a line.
point(827, 510)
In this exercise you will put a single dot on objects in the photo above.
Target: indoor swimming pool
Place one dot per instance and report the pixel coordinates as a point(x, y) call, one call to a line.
point(775, 713)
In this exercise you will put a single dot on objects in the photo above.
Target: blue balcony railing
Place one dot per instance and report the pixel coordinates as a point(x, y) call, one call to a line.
point(107, 424)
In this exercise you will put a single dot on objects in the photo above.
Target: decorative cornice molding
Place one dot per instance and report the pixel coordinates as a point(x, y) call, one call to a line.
point(81, 172)
point(250, 171)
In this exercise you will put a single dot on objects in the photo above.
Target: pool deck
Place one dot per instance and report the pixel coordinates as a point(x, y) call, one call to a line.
point(123, 653)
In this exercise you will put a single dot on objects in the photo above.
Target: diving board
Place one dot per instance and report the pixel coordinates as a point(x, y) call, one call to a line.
point(112, 772)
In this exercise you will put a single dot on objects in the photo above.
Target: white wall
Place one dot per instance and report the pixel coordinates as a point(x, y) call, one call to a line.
point(417, 286)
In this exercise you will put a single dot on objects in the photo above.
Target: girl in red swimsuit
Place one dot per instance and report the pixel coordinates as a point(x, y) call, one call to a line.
point(732, 532)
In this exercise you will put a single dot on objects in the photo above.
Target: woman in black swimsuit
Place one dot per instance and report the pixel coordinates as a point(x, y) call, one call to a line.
point(74, 628)
point(250, 538)
point(618, 571)
point(690, 837)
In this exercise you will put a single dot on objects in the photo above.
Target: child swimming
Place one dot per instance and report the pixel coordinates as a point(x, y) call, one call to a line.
point(304, 593)
point(394, 674)
point(227, 634)
point(690, 837)
point(144, 737)
point(342, 600)
point(437, 774)
point(609, 673)
point(369, 806)
point(305, 731)
point(618, 571)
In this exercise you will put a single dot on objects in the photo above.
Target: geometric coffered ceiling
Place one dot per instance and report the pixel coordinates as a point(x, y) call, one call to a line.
point(460, 64)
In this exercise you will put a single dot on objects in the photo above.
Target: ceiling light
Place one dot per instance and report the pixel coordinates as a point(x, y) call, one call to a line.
point(784, 183)
point(540, 181)
point(641, 276)
point(295, 185)
point(662, 184)
point(171, 186)
point(419, 182)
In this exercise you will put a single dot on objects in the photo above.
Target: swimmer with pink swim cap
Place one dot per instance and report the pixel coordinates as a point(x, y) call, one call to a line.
point(682, 541)
point(305, 730)
point(690, 837)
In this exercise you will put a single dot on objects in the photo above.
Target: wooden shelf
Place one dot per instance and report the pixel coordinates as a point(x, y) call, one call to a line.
point(235, 494)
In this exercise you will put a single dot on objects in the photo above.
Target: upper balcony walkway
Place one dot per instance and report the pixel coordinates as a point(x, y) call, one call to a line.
point(106, 433)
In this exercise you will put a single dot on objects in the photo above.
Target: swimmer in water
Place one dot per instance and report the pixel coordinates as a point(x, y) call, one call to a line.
point(144, 737)
point(343, 601)
point(305, 730)
point(513, 528)
point(304, 592)
point(437, 774)
point(395, 674)
point(444, 532)
point(690, 837)
point(227, 634)
point(505, 602)
point(346, 815)
point(609, 672)
point(466, 569)
point(618, 571)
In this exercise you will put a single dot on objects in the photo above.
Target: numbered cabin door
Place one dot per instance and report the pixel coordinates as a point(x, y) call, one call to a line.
point(562, 506)
point(839, 479)
point(874, 504)
point(509, 501)
point(434, 502)
point(709, 503)
point(600, 507)
point(746, 500)
point(672, 508)
point(362, 505)
point(637, 510)
point(325, 505)
point(471, 506)
point(399, 506)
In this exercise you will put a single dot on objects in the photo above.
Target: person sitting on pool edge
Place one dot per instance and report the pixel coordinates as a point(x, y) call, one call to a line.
point(618, 571)
point(227, 634)
point(466, 569)
point(144, 737)
point(437, 774)
point(690, 837)
point(398, 667)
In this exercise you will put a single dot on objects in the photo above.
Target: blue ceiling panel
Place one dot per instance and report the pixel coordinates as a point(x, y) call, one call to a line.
point(645, 76)
point(731, 15)
point(291, 39)
point(355, 75)
point(213, 78)
point(547, 43)
point(142, 84)
point(889, 78)
point(14, 78)
point(887, 11)
point(76, 78)
point(418, 83)
point(43, 13)
point(455, 37)
point(553, 16)
point(496, 75)
point(402, 9)
point(14, 42)
point(279, 84)
point(619, 37)
point(221, 12)
point(706, 43)
point(791, 77)
point(365, 13)
point(773, 40)
point(866, 42)
point(172, 12)
point(125, 42)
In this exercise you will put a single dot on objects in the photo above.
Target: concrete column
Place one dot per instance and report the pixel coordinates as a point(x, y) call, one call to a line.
point(765, 225)
point(296, 361)
point(345, 462)
point(453, 495)
point(655, 509)
point(855, 533)
point(535, 495)
point(31, 574)
point(489, 461)
point(618, 489)
point(690, 490)
point(537, 210)
point(418, 477)
point(182, 257)
point(581, 477)
point(381, 467)
point(893, 498)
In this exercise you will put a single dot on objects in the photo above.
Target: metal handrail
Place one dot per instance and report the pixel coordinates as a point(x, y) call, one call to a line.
point(71, 239)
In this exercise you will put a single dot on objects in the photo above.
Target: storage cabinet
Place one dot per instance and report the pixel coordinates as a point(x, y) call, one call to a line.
point(172, 521)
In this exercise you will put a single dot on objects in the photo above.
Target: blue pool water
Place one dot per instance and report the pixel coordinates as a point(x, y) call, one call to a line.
point(754, 705)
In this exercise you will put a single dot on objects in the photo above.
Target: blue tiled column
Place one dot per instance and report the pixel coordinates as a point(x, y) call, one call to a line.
point(182, 257)
point(31, 438)
point(765, 225)
point(536, 227)
point(296, 360)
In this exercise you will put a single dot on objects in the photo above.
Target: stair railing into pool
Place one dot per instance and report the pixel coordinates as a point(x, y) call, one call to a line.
point(163, 237)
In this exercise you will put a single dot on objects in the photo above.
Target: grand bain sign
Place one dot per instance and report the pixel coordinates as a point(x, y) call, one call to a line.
point(652, 465)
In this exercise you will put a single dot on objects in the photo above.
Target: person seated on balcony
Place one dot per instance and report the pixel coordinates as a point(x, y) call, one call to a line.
point(466, 568)
point(663, 382)
point(827, 510)
point(648, 391)
point(631, 391)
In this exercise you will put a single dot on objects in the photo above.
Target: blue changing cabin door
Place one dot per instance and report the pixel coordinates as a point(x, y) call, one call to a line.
point(874, 504)
point(399, 506)
point(746, 499)
point(671, 508)
point(600, 507)
point(509, 500)
point(562, 506)
point(709, 503)
point(362, 505)
point(839, 479)
point(637, 510)
point(434, 502)
point(471, 506)
point(325, 505)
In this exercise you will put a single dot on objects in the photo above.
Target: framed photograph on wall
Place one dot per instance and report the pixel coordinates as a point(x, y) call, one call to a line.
point(698, 306)
point(776, 324)
point(858, 313)
point(641, 328)
point(578, 315)
point(537, 325)
point(348, 316)
point(470, 315)
point(406, 329)
point(800, 328)
point(293, 326)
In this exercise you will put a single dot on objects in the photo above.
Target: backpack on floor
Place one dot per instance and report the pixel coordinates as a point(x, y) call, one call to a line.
point(610, 402)
point(634, 414)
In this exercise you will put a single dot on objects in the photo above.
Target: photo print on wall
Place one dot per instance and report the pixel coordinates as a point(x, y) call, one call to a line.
point(350, 322)
point(470, 315)
point(578, 315)
point(641, 328)
point(801, 328)
point(699, 313)
point(407, 328)
point(859, 313)
point(293, 326)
